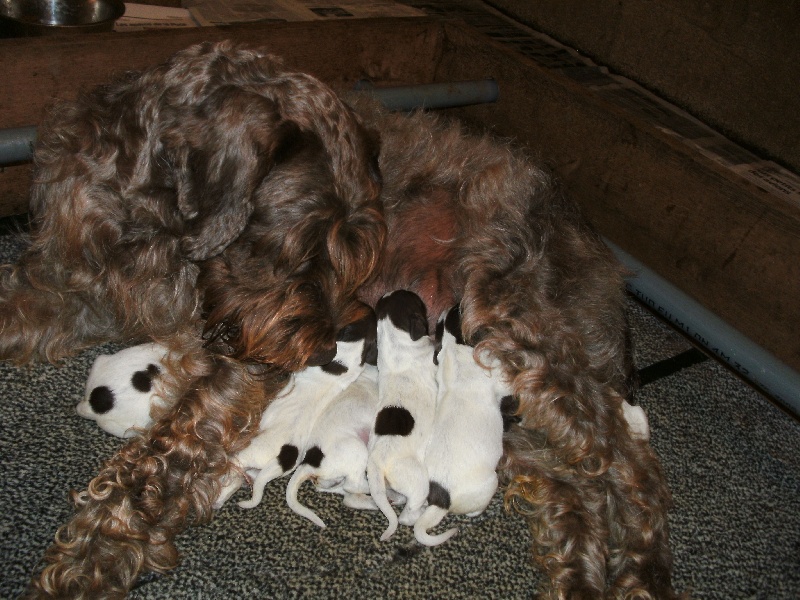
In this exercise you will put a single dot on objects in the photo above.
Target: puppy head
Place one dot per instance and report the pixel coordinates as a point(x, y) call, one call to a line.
point(406, 311)
point(363, 331)
point(279, 189)
point(449, 324)
point(356, 345)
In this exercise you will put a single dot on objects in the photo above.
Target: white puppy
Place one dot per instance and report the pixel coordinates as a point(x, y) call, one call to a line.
point(467, 443)
point(288, 421)
point(407, 405)
point(336, 459)
point(122, 389)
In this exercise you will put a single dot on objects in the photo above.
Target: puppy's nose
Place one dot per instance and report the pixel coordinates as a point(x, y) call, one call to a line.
point(322, 356)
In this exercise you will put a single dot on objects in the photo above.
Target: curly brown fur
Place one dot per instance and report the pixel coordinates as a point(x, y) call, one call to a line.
point(241, 200)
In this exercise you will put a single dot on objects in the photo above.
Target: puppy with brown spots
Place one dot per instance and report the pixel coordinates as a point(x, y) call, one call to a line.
point(287, 423)
point(407, 406)
point(467, 442)
point(121, 389)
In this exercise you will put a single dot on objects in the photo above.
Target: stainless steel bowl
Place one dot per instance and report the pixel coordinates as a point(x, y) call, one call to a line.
point(47, 17)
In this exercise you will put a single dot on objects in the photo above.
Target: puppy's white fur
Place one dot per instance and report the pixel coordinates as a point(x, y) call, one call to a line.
point(341, 433)
point(637, 420)
point(406, 381)
point(467, 442)
point(289, 421)
point(131, 407)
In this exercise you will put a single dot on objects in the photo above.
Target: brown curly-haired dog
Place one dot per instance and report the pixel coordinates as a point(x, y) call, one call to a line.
point(234, 211)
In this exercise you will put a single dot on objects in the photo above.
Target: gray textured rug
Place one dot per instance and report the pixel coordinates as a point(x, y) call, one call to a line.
point(732, 460)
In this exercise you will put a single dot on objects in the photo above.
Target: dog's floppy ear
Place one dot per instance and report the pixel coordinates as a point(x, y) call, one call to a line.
point(322, 356)
point(225, 149)
point(417, 326)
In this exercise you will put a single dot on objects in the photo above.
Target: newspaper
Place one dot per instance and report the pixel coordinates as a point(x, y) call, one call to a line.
point(222, 12)
point(139, 17)
point(205, 13)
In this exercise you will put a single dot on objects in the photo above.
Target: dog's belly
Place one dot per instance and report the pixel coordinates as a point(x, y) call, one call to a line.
point(420, 253)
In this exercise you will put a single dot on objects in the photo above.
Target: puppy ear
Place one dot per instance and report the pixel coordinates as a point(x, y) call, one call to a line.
point(226, 147)
point(370, 354)
point(417, 326)
point(452, 324)
point(321, 357)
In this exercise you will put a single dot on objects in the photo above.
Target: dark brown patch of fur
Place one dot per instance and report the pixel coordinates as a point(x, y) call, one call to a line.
point(313, 457)
point(438, 495)
point(394, 420)
point(287, 457)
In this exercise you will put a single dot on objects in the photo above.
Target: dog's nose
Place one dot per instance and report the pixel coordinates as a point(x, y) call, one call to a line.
point(322, 356)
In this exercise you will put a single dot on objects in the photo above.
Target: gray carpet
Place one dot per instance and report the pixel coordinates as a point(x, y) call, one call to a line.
point(731, 457)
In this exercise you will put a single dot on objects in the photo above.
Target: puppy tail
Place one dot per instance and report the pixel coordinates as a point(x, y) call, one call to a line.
point(377, 489)
point(265, 475)
point(432, 516)
point(303, 473)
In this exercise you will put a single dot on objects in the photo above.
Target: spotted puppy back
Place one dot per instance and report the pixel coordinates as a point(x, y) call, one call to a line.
point(121, 389)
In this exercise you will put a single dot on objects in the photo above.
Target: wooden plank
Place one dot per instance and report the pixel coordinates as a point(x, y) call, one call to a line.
point(730, 245)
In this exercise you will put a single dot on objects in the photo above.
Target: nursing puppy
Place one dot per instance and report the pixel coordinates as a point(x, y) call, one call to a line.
point(287, 423)
point(467, 443)
point(407, 405)
point(336, 459)
point(122, 389)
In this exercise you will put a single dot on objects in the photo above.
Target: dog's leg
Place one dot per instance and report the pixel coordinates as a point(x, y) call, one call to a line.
point(273, 470)
point(359, 501)
point(566, 517)
point(410, 476)
point(642, 561)
point(596, 500)
point(127, 519)
point(52, 306)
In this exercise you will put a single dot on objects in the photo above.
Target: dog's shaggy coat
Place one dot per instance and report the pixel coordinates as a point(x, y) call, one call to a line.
point(233, 210)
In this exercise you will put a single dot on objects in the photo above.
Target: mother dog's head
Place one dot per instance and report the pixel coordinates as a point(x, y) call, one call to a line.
point(279, 186)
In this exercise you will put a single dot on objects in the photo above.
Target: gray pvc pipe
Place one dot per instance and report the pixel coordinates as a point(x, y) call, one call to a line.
point(433, 95)
point(16, 144)
point(732, 348)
